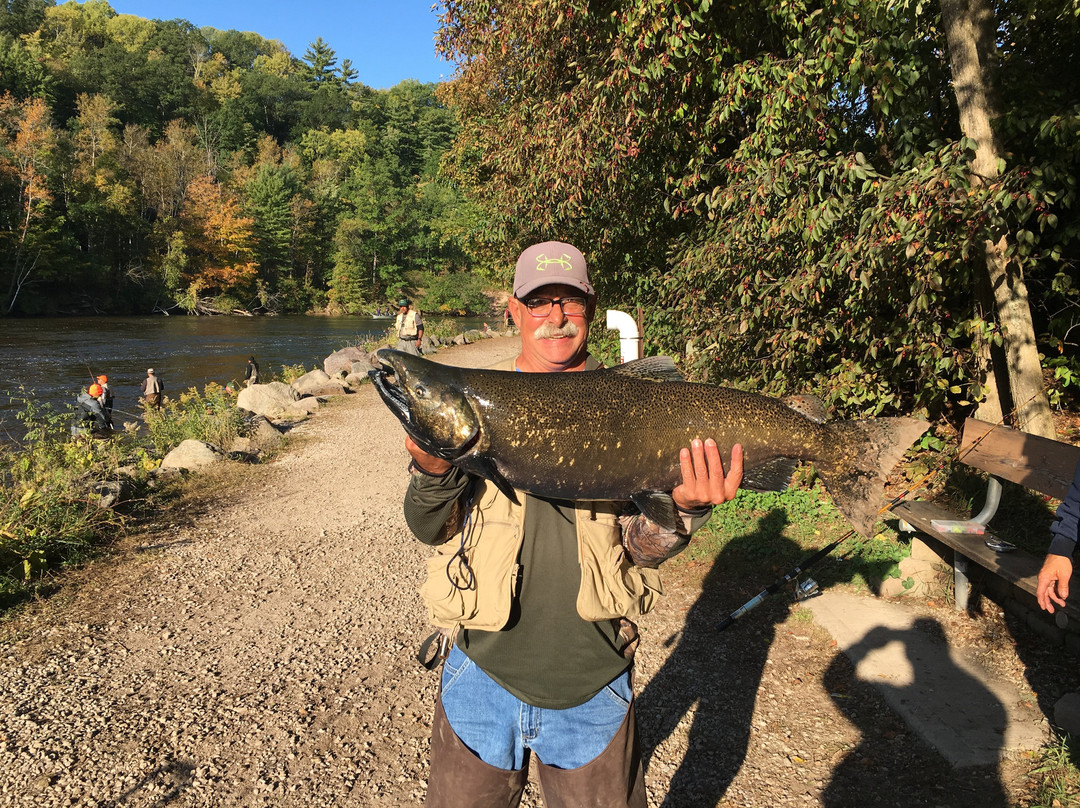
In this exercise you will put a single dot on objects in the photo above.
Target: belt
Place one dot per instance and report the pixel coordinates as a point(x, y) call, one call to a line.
point(408, 339)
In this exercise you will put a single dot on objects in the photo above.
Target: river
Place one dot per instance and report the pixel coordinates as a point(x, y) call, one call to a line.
point(53, 358)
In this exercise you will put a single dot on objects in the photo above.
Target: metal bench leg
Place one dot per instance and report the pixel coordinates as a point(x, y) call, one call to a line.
point(961, 584)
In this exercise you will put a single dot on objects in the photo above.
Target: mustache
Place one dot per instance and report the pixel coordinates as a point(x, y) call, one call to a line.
point(552, 331)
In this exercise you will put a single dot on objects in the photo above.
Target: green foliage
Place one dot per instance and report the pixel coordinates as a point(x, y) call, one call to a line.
point(210, 416)
point(1057, 778)
point(123, 119)
point(783, 184)
point(290, 373)
point(762, 535)
point(443, 328)
point(456, 293)
point(48, 518)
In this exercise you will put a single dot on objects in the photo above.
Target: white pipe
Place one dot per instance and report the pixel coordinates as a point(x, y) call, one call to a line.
point(629, 335)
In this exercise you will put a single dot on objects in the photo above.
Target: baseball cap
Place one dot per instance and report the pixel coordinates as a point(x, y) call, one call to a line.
point(149, 370)
point(552, 262)
point(403, 302)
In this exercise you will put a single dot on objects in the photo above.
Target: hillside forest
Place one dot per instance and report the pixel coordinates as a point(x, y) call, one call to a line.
point(149, 165)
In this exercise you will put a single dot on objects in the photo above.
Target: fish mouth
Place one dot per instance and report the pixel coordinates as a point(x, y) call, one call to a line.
point(394, 398)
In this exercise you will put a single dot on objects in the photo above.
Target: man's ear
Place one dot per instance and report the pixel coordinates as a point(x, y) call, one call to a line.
point(590, 310)
point(516, 308)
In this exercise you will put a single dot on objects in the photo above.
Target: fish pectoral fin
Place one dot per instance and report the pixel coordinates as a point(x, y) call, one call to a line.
point(485, 467)
point(657, 506)
point(651, 368)
point(774, 475)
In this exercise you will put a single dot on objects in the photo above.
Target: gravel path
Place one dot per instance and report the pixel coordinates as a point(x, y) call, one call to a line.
point(256, 648)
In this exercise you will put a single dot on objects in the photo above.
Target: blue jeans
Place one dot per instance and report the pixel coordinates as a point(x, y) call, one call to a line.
point(499, 728)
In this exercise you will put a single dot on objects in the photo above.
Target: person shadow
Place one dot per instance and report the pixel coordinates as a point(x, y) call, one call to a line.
point(965, 719)
point(719, 672)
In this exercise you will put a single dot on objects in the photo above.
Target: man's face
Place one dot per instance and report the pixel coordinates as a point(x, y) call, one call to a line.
point(555, 341)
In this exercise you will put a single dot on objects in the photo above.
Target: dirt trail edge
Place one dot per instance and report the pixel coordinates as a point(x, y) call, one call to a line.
point(257, 648)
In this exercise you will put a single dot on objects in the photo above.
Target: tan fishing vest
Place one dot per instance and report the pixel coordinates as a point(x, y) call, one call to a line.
point(406, 324)
point(479, 596)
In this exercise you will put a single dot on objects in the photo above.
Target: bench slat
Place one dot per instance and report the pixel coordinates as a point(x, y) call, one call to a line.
point(1017, 567)
point(1032, 461)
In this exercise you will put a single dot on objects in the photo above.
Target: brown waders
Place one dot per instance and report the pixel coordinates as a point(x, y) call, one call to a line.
point(459, 779)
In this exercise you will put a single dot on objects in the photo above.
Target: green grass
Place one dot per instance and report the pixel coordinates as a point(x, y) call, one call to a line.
point(1056, 776)
point(49, 517)
point(761, 535)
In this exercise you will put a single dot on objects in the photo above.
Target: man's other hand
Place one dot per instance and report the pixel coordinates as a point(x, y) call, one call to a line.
point(1054, 582)
point(424, 461)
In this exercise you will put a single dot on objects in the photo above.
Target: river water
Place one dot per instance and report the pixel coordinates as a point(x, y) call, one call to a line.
point(53, 358)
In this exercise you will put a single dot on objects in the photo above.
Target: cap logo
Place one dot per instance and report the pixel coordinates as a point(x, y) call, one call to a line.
point(543, 263)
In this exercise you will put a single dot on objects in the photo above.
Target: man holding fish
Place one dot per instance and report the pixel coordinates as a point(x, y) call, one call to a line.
point(536, 596)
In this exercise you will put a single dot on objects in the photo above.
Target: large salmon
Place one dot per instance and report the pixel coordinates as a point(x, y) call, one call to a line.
point(615, 434)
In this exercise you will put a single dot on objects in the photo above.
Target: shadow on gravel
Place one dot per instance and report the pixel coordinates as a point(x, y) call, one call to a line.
point(721, 673)
point(718, 671)
point(890, 766)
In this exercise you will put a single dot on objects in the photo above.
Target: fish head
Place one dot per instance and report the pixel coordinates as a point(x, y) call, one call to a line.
point(429, 401)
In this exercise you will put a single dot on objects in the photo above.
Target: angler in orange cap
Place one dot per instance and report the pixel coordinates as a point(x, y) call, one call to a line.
point(106, 397)
point(89, 412)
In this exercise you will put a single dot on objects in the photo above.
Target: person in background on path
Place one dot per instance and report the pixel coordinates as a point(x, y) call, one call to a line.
point(106, 398)
point(1057, 569)
point(410, 328)
point(89, 410)
point(152, 387)
point(537, 596)
point(251, 375)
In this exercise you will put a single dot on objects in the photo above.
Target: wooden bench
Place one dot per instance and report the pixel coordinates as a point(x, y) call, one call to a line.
point(1038, 463)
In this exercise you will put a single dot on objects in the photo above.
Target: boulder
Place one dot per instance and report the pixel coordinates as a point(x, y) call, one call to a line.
point(473, 335)
point(110, 492)
point(192, 454)
point(317, 383)
point(341, 361)
point(261, 434)
point(274, 400)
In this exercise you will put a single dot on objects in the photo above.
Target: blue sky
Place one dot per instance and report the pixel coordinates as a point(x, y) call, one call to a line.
point(387, 40)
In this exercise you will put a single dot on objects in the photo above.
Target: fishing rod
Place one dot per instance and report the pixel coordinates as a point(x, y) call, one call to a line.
point(809, 588)
point(775, 585)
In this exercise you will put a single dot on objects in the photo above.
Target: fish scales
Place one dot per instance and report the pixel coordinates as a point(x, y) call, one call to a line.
point(623, 428)
point(616, 434)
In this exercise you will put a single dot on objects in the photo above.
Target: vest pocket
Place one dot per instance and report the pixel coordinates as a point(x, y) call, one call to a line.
point(449, 590)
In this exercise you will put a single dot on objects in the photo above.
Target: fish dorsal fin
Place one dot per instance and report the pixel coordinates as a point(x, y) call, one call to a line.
point(810, 406)
point(652, 368)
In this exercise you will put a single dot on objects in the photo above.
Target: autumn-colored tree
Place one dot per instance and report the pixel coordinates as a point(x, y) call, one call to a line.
point(27, 140)
point(220, 259)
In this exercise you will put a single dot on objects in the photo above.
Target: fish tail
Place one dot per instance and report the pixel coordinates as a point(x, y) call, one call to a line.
point(855, 472)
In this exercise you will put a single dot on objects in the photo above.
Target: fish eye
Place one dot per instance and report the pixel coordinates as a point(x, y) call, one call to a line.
point(420, 391)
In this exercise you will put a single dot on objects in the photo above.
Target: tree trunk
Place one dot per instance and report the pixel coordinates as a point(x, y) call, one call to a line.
point(969, 31)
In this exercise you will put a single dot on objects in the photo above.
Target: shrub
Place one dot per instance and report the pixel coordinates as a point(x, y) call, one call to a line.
point(47, 519)
point(210, 416)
